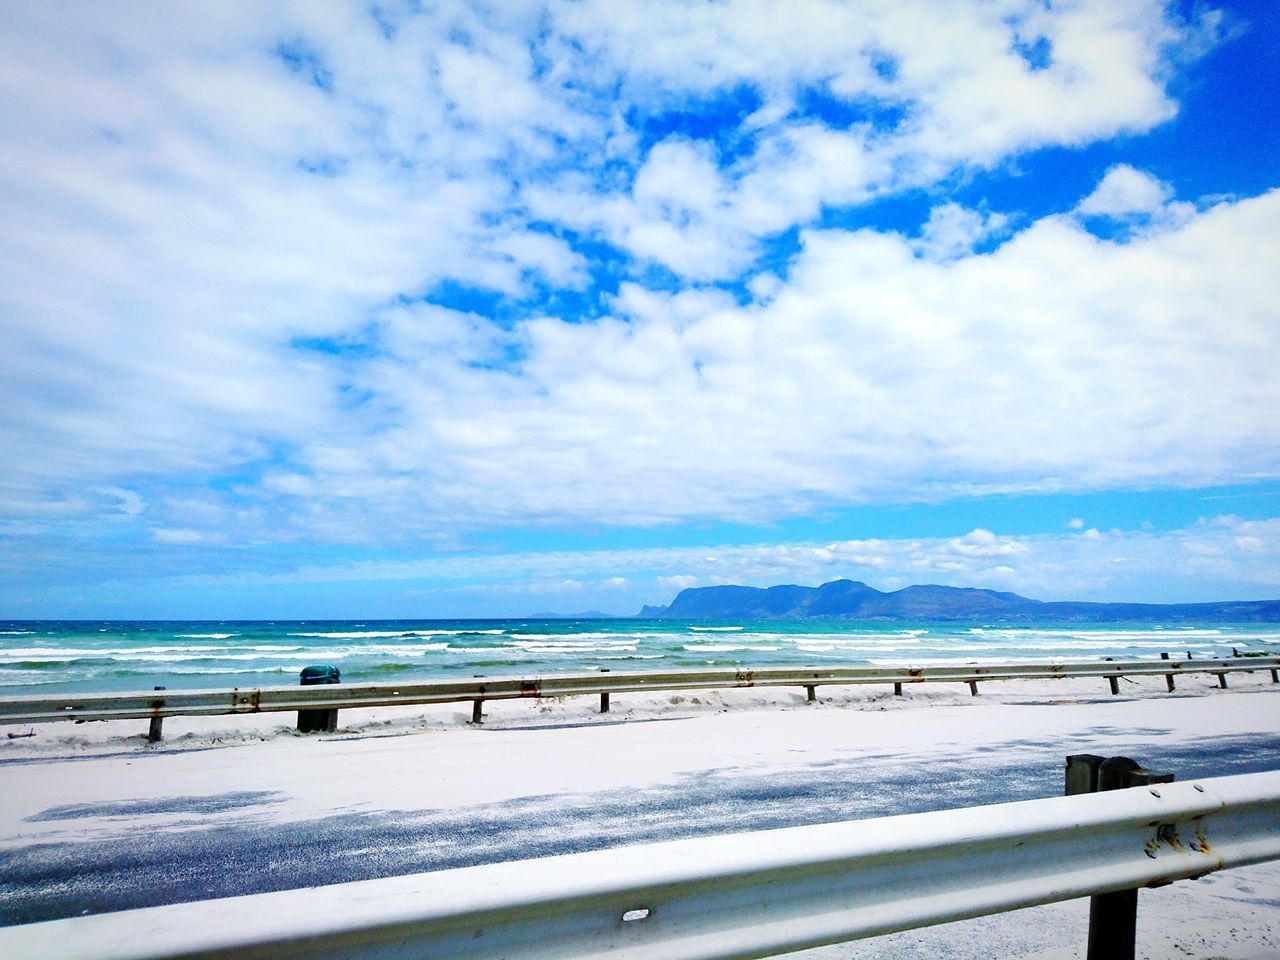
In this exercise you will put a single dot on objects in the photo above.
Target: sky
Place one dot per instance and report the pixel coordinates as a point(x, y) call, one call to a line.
point(486, 309)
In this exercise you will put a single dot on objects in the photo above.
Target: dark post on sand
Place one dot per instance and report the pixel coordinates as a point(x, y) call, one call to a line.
point(156, 731)
point(1113, 917)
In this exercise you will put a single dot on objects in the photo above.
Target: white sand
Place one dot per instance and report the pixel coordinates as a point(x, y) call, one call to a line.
point(431, 758)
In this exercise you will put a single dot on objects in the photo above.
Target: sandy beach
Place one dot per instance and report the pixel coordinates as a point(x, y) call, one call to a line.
point(396, 791)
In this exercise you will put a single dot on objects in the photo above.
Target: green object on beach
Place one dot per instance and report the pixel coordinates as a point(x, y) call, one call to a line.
point(320, 674)
point(321, 721)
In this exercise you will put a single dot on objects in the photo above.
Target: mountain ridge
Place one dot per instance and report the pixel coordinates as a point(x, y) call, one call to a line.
point(855, 600)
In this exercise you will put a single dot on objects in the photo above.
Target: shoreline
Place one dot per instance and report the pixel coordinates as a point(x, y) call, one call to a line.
point(111, 822)
point(112, 658)
point(66, 739)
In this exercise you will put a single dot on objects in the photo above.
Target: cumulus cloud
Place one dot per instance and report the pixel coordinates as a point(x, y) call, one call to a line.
point(331, 275)
point(956, 86)
point(988, 374)
point(952, 231)
point(984, 543)
point(1126, 190)
point(992, 374)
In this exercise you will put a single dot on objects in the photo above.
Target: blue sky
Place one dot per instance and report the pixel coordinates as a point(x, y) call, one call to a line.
point(356, 310)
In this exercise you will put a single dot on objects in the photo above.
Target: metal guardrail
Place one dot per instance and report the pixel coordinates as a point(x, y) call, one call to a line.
point(170, 703)
point(733, 896)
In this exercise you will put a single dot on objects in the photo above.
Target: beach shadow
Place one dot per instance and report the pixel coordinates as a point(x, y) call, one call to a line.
point(165, 805)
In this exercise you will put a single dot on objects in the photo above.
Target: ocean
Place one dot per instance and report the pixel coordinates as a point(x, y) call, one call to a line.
point(46, 657)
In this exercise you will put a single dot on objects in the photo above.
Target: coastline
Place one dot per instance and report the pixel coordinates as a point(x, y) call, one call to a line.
point(106, 657)
point(69, 739)
point(545, 776)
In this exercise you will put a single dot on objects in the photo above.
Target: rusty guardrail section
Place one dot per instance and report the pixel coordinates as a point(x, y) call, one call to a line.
point(733, 896)
point(172, 703)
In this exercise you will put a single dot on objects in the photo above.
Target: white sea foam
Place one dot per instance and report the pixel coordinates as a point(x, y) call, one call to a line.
point(416, 649)
point(1013, 658)
point(389, 634)
point(26, 679)
point(364, 634)
point(460, 633)
point(610, 635)
point(83, 656)
point(177, 654)
point(854, 642)
point(50, 653)
point(1178, 633)
point(1072, 647)
point(726, 648)
point(530, 646)
point(229, 671)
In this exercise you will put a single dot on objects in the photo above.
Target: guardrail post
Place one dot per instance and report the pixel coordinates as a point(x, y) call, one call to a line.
point(477, 705)
point(1082, 773)
point(897, 688)
point(1168, 677)
point(973, 688)
point(1115, 685)
point(812, 692)
point(1222, 680)
point(155, 732)
point(604, 695)
point(1113, 917)
point(1275, 676)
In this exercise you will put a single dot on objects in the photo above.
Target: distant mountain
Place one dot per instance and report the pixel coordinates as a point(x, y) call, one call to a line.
point(850, 599)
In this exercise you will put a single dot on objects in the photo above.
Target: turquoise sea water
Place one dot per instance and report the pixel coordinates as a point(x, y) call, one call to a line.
point(48, 657)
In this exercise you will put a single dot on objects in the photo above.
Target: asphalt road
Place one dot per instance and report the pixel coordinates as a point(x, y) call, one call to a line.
point(231, 844)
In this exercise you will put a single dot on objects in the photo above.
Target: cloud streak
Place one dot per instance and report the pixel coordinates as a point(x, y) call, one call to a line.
point(1088, 564)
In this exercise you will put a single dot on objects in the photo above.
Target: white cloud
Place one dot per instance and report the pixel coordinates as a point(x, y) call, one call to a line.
point(677, 582)
point(956, 66)
point(952, 231)
point(1055, 362)
point(181, 536)
point(1125, 190)
point(241, 241)
point(984, 543)
point(955, 74)
point(1211, 560)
